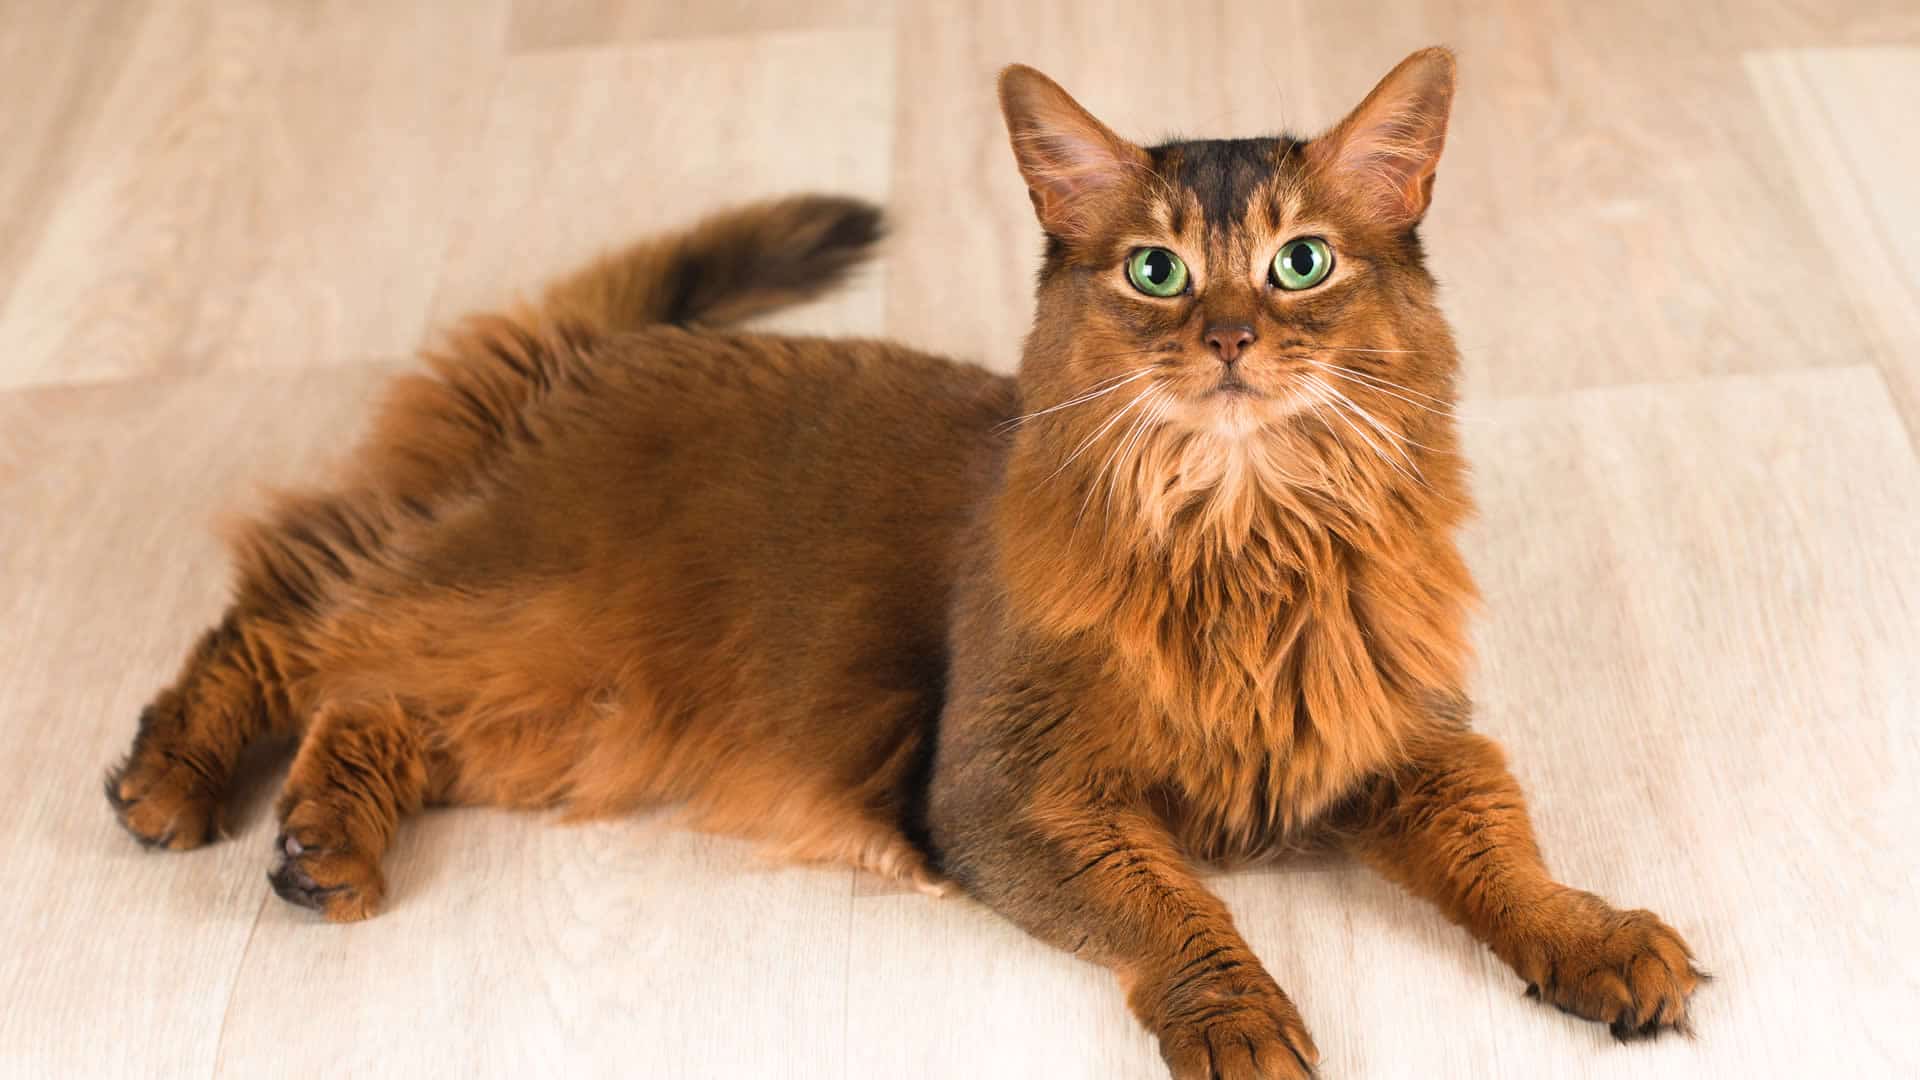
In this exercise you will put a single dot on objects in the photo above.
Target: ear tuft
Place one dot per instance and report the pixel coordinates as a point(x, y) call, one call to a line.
point(1385, 151)
point(1072, 163)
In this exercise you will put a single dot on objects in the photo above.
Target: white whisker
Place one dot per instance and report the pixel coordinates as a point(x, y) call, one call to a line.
point(1400, 442)
point(1100, 474)
point(1095, 437)
point(1356, 348)
point(1105, 386)
point(1148, 418)
point(1386, 386)
point(1364, 437)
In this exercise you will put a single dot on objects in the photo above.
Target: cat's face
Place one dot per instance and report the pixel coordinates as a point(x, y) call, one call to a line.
point(1231, 288)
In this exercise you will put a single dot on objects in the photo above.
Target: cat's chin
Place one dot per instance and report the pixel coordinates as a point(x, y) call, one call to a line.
point(1236, 416)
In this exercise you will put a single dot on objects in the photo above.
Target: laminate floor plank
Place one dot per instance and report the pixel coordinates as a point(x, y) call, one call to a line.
point(564, 24)
point(1854, 149)
point(57, 66)
point(262, 187)
point(118, 960)
point(591, 151)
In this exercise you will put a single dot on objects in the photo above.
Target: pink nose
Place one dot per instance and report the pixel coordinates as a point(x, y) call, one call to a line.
point(1227, 341)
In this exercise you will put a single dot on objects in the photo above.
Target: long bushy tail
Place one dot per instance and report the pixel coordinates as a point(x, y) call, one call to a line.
point(489, 370)
point(735, 264)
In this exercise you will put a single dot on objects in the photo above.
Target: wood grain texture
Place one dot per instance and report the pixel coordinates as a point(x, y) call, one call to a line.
point(119, 960)
point(1845, 125)
point(643, 951)
point(263, 186)
point(591, 151)
point(561, 24)
point(57, 63)
point(1703, 613)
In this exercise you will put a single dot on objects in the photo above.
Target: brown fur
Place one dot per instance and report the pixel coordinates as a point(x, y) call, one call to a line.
point(1053, 638)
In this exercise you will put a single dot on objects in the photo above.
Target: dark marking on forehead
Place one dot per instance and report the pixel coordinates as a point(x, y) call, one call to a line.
point(1222, 174)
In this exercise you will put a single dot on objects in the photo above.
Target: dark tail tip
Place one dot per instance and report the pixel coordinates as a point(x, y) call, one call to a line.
point(730, 266)
point(774, 254)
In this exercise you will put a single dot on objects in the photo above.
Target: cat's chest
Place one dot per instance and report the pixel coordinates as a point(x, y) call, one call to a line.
point(1250, 728)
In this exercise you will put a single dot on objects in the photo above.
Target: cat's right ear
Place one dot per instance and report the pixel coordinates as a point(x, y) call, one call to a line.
point(1072, 163)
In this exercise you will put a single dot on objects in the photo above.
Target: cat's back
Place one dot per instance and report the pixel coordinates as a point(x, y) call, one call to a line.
point(804, 465)
point(789, 424)
point(867, 396)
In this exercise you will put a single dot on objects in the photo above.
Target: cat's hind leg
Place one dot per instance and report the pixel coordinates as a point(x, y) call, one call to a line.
point(361, 767)
point(170, 790)
point(251, 674)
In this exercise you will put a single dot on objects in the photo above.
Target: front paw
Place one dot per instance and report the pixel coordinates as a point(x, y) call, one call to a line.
point(1234, 1028)
point(1625, 969)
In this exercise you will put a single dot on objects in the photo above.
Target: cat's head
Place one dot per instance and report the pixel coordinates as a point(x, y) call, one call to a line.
point(1230, 295)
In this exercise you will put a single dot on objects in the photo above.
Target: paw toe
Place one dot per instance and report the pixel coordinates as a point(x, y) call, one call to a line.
point(344, 886)
point(1631, 972)
point(162, 813)
point(294, 885)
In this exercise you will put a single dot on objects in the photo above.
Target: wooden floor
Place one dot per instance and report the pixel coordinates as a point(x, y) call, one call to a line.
point(1681, 246)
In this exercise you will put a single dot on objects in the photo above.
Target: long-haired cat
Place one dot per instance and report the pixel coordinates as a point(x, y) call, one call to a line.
point(1184, 590)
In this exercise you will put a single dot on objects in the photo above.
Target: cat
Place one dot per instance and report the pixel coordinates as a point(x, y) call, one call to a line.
point(1185, 590)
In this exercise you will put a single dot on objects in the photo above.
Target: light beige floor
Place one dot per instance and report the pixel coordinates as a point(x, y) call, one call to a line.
point(1681, 245)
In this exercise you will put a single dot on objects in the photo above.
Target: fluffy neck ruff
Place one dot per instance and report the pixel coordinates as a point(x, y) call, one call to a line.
point(1288, 596)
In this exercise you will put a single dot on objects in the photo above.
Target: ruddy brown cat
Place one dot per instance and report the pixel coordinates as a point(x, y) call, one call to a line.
point(1183, 591)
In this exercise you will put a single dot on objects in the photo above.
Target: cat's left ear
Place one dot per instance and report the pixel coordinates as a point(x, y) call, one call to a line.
point(1073, 164)
point(1385, 152)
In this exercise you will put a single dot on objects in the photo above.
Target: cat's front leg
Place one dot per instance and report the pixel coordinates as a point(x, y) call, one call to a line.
point(1453, 828)
point(1106, 883)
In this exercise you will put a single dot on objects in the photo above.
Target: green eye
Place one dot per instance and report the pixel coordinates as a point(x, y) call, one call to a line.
point(1302, 264)
point(1157, 272)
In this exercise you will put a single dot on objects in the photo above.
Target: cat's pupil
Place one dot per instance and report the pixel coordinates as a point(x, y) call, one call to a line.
point(1302, 259)
point(1159, 268)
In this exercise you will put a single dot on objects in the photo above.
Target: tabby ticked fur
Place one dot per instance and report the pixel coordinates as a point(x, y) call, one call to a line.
point(1183, 591)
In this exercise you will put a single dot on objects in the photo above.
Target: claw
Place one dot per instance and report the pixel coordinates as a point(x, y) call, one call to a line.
point(294, 886)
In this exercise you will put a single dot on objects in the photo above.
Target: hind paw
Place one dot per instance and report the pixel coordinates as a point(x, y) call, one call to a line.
point(165, 806)
point(341, 883)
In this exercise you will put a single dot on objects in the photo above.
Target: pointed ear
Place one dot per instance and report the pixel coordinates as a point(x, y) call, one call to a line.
point(1386, 150)
point(1071, 161)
